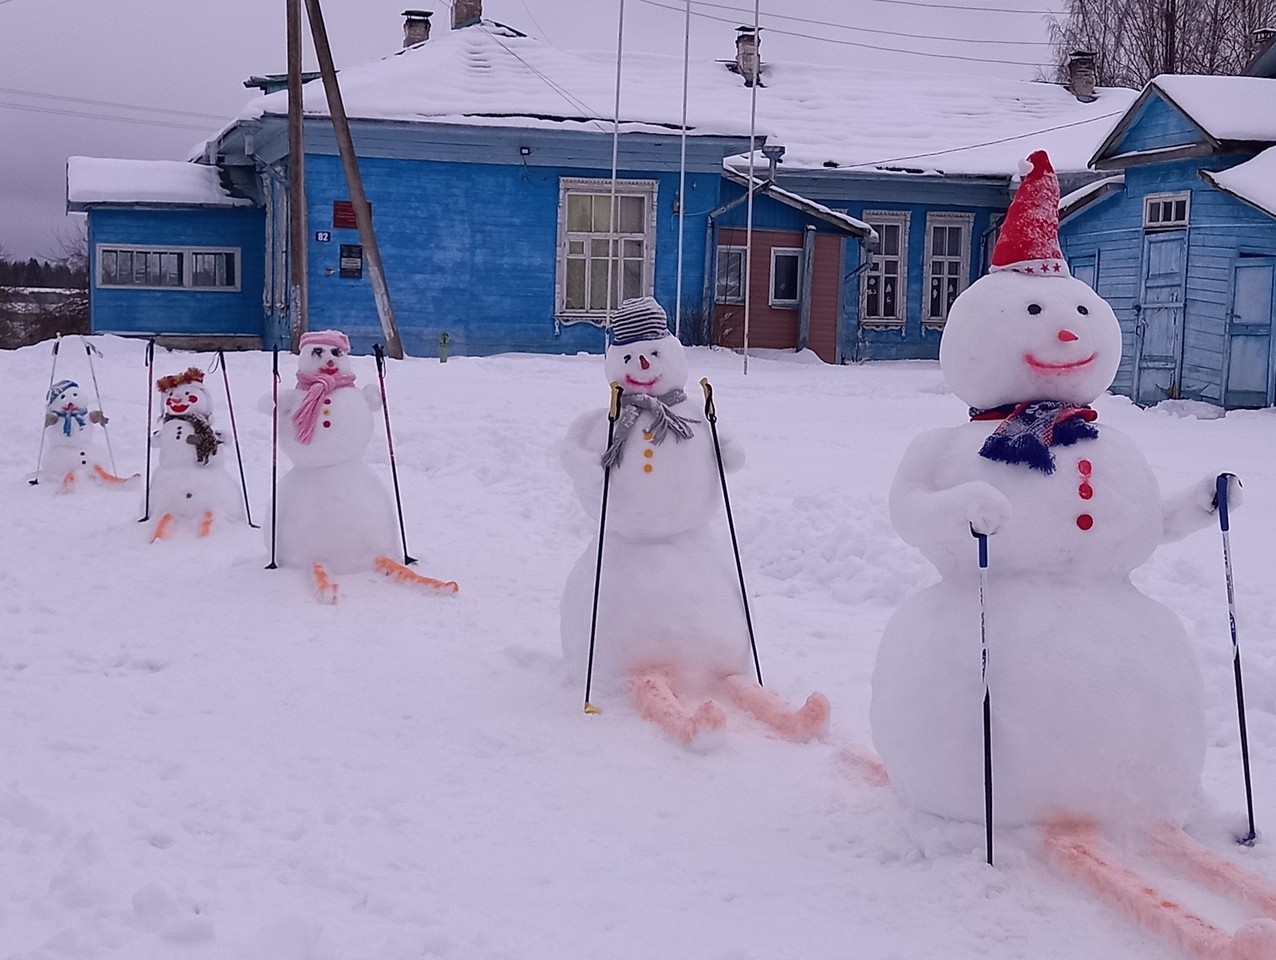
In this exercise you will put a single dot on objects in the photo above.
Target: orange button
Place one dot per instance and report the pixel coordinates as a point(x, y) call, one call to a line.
point(647, 468)
point(649, 453)
point(647, 434)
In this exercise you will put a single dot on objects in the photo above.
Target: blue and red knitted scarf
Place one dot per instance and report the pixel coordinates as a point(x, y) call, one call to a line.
point(1028, 431)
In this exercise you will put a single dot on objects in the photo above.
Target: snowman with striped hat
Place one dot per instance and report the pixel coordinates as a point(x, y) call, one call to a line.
point(671, 626)
point(71, 452)
point(333, 513)
point(1096, 696)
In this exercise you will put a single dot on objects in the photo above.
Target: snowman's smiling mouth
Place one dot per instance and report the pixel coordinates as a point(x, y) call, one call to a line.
point(1046, 367)
point(635, 382)
point(178, 407)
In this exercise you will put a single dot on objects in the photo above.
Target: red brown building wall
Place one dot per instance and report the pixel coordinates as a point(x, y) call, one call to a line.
point(777, 327)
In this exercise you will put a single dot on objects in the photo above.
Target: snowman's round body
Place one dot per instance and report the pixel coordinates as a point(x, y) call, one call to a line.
point(189, 482)
point(71, 444)
point(1096, 699)
point(669, 594)
point(332, 508)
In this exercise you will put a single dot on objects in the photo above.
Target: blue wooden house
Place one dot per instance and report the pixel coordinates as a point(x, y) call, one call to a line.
point(1181, 239)
point(487, 158)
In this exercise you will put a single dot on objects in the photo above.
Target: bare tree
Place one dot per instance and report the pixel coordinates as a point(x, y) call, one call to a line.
point(1134, 40)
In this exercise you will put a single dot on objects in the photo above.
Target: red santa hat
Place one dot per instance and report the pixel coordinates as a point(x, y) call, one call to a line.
point(1029, 240)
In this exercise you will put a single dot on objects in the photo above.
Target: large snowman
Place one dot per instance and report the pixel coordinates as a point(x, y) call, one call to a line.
point(671, 625)
point(71, 451)
point(190, 481)
point(333, 513)
point(1096, 696)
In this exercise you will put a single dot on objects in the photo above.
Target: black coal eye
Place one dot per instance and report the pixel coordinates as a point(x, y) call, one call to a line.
point(628, 357)
point(1034, 308)
point(316, 351)
point(655, 353)
point(336, 351)
point(1082, 310)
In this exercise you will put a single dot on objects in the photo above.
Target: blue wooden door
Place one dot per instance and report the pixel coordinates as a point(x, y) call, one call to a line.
point(1159, 328)
point(1249, 335)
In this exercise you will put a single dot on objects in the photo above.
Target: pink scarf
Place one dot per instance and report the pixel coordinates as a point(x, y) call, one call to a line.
point(317, 386)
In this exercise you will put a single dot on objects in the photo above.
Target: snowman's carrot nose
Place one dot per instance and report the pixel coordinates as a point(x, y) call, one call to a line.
point(643, 361)
point(1067, 336)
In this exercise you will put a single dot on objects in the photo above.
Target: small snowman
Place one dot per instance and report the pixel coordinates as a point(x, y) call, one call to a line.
point(70, 452)
point(189, 482)
point(1097, 701)
point(333, 513)
point(671, 624)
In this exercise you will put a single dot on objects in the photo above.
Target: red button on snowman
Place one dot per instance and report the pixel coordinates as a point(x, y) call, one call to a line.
point(1098, 702)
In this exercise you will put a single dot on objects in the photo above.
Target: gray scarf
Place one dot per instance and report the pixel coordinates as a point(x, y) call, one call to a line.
point(632, 406)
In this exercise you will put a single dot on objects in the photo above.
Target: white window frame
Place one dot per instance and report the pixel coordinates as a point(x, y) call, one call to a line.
point(878, 219)
point(187, 254)
point(648, 190)
point(966, 221)
point(772, 299)
point(721, 294)
point(1159, 212)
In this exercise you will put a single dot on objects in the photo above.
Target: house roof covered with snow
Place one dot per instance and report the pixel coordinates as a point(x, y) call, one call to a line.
point(827, 117)
point(1253, 181)
point(1226, 108)
point(92, 180)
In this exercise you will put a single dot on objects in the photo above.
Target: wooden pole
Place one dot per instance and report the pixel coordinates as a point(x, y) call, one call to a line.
point(298, 300)
point(358, 199)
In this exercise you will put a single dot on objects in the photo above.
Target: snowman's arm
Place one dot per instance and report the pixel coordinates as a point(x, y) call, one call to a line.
point(732, 454)
point(50, 419)
point(97, 416)
point(372, 395)
point(1196, 507)
point(924, 512)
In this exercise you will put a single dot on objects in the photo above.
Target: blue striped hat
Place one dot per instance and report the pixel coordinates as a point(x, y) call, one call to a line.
point(59, 388)
point(640, 318)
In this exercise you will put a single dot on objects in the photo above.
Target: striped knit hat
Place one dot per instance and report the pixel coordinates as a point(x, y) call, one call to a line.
point(640, 318)
point(59, 388)
point(325, 338)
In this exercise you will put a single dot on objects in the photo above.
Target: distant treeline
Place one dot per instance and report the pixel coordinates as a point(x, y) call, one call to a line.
point(41, 273)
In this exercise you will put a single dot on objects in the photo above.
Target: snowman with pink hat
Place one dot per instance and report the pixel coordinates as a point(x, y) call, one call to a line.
point(333, 513)
point(1097, 698)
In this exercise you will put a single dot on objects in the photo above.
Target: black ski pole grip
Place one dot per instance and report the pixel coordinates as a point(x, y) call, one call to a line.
point(1220, 499)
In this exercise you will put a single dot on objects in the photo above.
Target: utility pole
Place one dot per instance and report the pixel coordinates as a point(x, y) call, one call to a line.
point(298, 299)
point(358, 199)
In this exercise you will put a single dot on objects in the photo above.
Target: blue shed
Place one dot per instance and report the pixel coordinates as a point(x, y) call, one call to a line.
point(1182, 239)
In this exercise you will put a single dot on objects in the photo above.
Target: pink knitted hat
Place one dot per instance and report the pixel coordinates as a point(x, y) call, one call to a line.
point(326, 338)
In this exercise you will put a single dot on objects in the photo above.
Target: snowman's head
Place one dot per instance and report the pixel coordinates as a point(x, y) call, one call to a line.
point(1012, 338)
point(644, 357)
point(64, 395)
point(324, 351)
point(1029, 330)
point(183, 394)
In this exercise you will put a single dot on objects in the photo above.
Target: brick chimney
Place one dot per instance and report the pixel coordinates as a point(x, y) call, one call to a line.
point(748, 62)
point(466, 13)
point(1081, 75)
point(416, 27)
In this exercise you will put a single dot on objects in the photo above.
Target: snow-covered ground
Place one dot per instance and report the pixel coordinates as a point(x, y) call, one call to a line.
point(201, 761)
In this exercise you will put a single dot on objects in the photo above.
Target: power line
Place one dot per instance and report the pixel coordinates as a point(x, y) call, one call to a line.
point(31, 108)
point(863, 46)
point(10, 91)
point(889, 33)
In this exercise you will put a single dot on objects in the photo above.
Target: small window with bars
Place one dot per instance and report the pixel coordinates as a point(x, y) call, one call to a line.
point(1166, 211)
point(731, 267)
point(883, 290)
point(606, 254)
point(947, 263)
point(191, 268)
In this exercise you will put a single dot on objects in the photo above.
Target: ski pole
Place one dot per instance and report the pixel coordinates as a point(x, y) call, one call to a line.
point(983, 644)
point(613, 413)
point(53, 372)
point(711, 414)
point(89, 350)
point(150, 399)
point(274, 455)
point(234, 432)
point(1224, 524)
point(389, 439)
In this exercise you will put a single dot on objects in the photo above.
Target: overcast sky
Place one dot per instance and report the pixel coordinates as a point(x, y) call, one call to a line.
point(149, 79)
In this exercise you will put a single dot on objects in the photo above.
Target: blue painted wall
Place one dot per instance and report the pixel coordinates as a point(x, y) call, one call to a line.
point(126, 310)
point(1221, 230)
point(1157, 125)
point(470, 250)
